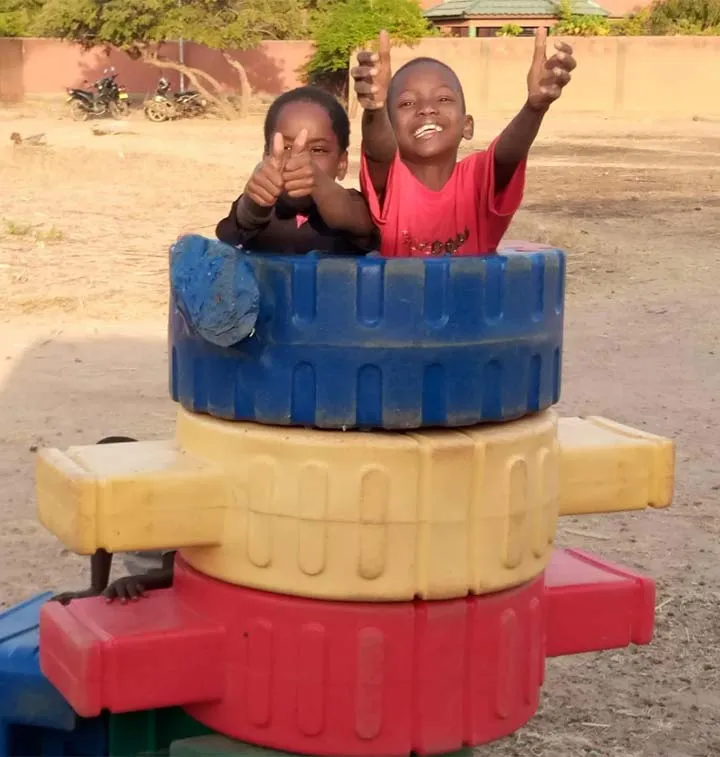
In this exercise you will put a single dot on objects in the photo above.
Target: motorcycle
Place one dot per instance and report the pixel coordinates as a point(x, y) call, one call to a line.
point(106, 97)
point(167, 106)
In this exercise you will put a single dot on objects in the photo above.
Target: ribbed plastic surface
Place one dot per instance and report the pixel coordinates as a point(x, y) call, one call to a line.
point(354, 515)
point(339, 678)
point(221, 746)
point(376, 343)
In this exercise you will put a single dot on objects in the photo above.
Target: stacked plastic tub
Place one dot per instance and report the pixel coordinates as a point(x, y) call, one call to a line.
point(363, 488)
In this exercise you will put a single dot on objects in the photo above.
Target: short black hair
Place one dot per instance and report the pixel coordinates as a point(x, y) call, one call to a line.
point(420, 61)
point(338, 116)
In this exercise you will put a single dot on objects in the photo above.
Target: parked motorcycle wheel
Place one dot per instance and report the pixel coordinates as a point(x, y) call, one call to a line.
point(157, 112)
point(78, 112)
point(119, 109)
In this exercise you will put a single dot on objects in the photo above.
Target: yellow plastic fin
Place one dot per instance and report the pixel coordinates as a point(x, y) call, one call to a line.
point(607, 467)
point(137, 496)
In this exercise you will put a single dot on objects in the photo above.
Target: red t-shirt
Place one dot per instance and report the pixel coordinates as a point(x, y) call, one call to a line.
point(466, 217)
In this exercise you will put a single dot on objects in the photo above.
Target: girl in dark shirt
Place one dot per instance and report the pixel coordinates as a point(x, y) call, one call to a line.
point(293, 203)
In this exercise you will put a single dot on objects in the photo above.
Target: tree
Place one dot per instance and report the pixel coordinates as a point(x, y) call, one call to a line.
point(669, 17)
point(16, 17)
point(341, 26)
point(139, 27)
point(684, 17)
point(578, 25)
point(633, 25)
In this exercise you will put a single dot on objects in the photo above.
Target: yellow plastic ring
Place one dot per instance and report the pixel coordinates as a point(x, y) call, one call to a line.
point(379, 516)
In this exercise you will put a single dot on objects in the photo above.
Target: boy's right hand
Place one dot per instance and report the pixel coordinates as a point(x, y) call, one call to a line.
point(266, 183)
point(372, 75)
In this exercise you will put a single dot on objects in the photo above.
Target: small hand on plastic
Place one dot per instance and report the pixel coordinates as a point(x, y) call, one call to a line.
point(547, 77)
point(266, 183)
point(124, 589)
point(66, 597)
point(299, 170)
point(372, 75)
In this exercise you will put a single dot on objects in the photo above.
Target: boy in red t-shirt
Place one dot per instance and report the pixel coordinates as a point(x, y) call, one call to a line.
point(423, 201)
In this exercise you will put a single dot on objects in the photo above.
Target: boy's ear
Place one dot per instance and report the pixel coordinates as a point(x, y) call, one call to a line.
point(342, 166)
point(468, 128)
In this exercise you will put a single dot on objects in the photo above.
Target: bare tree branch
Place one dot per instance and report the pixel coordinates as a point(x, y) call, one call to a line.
point(244, 84)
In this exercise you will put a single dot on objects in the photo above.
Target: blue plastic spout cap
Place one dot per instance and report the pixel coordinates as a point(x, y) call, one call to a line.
point(215, 289)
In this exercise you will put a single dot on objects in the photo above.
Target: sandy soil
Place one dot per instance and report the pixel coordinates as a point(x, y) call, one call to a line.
point(84, 228)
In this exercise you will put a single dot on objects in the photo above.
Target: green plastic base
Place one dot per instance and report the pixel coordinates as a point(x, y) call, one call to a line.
point(150, 733)
point(172, 733)
point(219, 746)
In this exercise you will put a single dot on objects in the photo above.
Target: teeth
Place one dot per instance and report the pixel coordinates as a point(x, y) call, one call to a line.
point(427, 129)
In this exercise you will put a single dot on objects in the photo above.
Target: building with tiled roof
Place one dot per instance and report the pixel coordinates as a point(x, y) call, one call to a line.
point(482, 18)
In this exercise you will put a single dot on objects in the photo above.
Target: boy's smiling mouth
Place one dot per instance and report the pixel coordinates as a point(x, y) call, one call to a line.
point(426, 131)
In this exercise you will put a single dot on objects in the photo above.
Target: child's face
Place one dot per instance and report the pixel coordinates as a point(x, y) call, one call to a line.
point(322, 142)
point(428, 113)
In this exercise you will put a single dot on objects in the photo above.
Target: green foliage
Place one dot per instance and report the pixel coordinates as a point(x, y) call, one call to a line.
point(578, 25)
point(16, 17)
point(583, 26)
point(684, 17)
point(509, 30)
point(341, 26)
point(134, 25)
point(670, 17)
point(633, 25)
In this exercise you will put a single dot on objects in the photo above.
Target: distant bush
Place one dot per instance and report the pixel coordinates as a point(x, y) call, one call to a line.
point(509, 30)
point(17, 17)
point(571, 24)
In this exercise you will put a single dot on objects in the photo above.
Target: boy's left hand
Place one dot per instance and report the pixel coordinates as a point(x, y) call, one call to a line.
point(547, 77)
point(299, 170)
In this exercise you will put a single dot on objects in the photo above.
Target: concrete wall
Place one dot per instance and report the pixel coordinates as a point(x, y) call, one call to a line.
point(627, 76)
point(32, 67)
point(669, 76)
point(11, 70)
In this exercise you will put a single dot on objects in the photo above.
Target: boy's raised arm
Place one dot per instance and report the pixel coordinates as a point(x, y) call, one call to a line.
point(372, 79)
point(545, 82)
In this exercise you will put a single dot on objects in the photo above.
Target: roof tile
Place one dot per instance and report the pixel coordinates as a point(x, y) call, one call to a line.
point(469, 8)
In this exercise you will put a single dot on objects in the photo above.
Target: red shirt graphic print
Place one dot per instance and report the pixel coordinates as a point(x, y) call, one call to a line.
point(466, 217)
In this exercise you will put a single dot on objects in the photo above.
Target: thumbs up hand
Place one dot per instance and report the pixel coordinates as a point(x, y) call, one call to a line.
point(266, 183)
point(547, 77)
point(299, 171)
point(372, 75)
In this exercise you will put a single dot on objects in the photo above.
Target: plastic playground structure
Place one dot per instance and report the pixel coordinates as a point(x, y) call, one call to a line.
point(363, 489)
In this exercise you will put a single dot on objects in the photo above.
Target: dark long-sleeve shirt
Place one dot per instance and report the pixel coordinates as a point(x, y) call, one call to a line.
point(283, 230)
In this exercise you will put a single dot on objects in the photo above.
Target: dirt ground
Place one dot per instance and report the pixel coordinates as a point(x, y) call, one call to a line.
point(84, 228)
